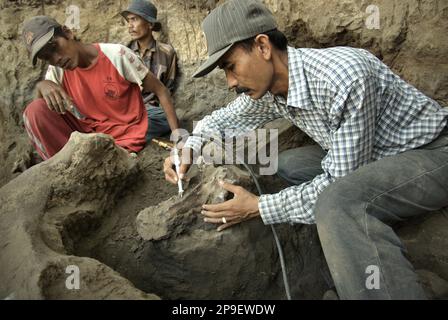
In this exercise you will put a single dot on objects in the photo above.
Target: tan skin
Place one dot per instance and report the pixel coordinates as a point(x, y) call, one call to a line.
point(272, 76)
point(140, 30)
point(70, 54)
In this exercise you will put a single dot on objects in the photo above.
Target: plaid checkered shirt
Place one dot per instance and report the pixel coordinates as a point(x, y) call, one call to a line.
point(346, 100)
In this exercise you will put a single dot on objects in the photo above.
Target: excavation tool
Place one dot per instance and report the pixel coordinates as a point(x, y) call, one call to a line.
point(163, 144)
point(169, 146)
point(177, 165)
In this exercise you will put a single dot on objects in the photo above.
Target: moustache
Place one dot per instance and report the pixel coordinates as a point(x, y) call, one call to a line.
point(240, 90)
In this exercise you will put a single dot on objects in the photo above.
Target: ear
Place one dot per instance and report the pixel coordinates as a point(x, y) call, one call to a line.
point(149, 25)
point(263, 46)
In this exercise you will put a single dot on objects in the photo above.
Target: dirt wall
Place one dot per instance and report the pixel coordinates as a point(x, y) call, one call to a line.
point(412, 38)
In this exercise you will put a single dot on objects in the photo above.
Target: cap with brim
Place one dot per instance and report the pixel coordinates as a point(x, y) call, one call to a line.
point(39, 44)
point(211, 62)
point(157, 26)
point(229, 23)
point(37, 32)
point(144, 9)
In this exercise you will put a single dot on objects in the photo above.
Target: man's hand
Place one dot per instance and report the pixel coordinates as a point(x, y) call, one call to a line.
point(168, 166)
point(242, 207)
point(54, 95)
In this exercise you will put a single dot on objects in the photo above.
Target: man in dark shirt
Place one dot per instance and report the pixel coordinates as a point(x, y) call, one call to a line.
point(159, 57)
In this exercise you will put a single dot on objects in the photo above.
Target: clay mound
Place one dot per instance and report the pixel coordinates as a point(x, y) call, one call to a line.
point(116, 220)
point(227, 262)
point(79, 209)
point(177, 215)
point(48, 208)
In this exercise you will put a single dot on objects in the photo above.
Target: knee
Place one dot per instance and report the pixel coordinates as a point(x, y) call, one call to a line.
point(345, 198)
point(330, 205)
point(35, 110)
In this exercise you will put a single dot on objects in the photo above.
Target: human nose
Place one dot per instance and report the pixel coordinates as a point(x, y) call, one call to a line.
point(232, 82)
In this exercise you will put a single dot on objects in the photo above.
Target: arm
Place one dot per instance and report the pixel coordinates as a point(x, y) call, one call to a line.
point(152, 84)
point(351, 148)
point(170, 77)
point(52, 92)
point(238, 117)
point(54, 95)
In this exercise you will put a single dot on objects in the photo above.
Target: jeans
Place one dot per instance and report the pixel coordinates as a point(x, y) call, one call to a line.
point(355, 213)
point(158, 124)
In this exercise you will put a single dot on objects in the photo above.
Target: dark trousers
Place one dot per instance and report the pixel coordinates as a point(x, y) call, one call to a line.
point(157, 123)
point(355, 213)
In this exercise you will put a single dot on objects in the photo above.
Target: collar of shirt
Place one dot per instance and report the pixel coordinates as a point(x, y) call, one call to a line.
point(134, 47)
point(298, 93)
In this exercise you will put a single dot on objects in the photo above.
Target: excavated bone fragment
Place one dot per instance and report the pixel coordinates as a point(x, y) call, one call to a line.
point(176, 215)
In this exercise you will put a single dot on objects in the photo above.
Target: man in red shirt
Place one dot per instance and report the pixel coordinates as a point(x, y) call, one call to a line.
point(88, 88)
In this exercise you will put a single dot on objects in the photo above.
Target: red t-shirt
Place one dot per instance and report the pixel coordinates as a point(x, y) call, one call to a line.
point(108, 95)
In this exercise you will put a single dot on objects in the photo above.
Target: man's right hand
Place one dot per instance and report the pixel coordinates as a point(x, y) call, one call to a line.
point(54, 95)
point(169, 169)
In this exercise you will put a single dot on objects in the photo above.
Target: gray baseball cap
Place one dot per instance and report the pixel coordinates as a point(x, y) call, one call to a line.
point(37, 31)
point(144, 9)
point(233, 21)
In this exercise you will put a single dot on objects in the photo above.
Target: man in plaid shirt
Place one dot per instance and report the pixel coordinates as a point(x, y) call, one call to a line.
point(381, 157)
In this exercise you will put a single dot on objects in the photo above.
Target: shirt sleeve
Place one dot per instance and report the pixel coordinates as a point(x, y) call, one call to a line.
point(238, 117)
point(54, 74)
point(171, 74)
point(128, 64)
point(352, 144)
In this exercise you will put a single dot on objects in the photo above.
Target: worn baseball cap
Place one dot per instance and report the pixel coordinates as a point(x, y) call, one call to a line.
point(144, 9)
point(37, 31)
point(233, 21)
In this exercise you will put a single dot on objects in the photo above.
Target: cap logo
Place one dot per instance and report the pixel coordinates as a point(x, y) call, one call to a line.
point(29, 37)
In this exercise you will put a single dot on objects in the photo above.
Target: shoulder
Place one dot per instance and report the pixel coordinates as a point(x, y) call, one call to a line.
point(165, 48)
point(339, 66)
point(119, 54)
point(123, 58)
point(114, 49)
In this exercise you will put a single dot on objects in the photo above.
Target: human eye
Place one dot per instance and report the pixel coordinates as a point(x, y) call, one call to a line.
point(50, 47)
point(43, 56)
point(47, 51)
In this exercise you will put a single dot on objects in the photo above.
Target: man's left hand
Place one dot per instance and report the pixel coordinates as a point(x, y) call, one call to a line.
point(242, 207)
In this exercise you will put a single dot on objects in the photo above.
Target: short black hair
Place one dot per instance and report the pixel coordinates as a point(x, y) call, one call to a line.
point(276, 37)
